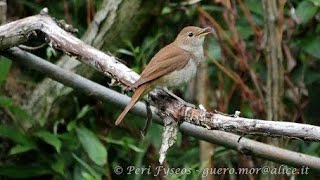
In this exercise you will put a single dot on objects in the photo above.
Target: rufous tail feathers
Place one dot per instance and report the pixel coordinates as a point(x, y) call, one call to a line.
point(135, 97)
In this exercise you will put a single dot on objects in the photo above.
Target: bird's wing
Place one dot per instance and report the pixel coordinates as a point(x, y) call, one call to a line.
point(172, 58)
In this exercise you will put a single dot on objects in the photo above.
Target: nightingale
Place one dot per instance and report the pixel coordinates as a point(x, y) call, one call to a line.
point(172, 66)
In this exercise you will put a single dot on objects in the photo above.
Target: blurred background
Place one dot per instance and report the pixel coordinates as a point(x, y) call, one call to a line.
point(263, 60)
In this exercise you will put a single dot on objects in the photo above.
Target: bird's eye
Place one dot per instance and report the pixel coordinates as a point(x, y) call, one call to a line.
point(190, 34)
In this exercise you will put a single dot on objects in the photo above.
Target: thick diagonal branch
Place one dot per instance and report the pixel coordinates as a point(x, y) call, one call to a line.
point(18, 32)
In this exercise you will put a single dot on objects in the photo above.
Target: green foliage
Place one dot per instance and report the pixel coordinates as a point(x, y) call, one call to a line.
point(50, 139)
point(16, 135)
point(90, 174)
point(311, 46)
point(142, 54)
point(307, 10)
point(126, 143)
point(67, 151)
point(14, 171)
point(16, 112)
point(92, 146)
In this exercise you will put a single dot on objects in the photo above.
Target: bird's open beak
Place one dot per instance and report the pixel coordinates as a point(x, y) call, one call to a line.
point(204, 31)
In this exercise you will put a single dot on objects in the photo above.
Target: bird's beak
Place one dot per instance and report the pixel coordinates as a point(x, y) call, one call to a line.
point(204, 31)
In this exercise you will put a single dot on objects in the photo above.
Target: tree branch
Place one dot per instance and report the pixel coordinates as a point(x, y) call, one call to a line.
point(229, 140)
point(18, 32)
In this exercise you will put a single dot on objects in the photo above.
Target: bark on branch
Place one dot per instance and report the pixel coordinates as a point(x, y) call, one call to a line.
point(18, 32)
point(233, 123)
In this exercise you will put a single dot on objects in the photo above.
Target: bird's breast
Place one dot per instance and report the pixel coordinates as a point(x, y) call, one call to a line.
point(181, 76)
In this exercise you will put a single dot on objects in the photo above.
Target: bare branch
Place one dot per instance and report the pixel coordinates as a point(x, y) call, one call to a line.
point(231, 123)
point(18, 32)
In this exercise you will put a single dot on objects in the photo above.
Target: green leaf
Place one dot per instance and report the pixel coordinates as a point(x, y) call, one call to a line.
point(5, 65)
point(306, 10)
point(50, 139)
point(315, 2)
point(16, 111)
point(59, 166)
point(19, 113)
point(15, 135)
point(83, 112)
point(246, 111)
point(51, 53)
point(20, 149)
point(87, 176)
point(71, 125)
point(124, 142)
point(69, 139)
point(311, 46)
point(254, 6)
point(245, 31)
point(125, 51)
point(312, 77)
point(166, 10)
point(29, 171)
point(86, 167)
point(77, 170)
point(91, 144)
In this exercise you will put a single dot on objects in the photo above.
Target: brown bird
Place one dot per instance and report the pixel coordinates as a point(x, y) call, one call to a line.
point(172, 66)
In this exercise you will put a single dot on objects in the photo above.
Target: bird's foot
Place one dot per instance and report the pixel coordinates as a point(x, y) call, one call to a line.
point(148, 121)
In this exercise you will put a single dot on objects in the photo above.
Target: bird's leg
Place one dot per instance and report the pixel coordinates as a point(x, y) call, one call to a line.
point(149, 118)
point(128, 89)
point(178, 98)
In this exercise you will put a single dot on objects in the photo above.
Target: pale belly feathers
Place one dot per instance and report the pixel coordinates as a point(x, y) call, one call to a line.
point(179, 77)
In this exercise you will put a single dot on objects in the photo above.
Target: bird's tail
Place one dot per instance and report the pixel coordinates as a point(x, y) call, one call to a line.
point(135, 97)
